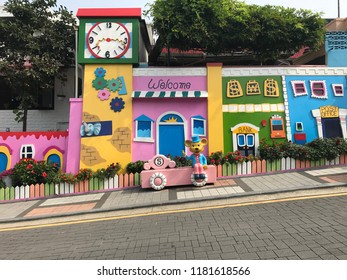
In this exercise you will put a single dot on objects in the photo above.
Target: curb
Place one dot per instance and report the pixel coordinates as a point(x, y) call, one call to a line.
point(172, 202)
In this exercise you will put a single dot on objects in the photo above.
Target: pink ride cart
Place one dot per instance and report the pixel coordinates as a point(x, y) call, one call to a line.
point(160, 173)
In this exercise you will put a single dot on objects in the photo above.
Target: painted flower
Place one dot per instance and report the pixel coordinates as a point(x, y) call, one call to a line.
point(104, 94)
point(114, 84)
point(99, 83)
point(100, 72)
point(117, 104)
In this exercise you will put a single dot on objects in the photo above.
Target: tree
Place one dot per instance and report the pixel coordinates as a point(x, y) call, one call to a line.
point(35, 46)
point(221, 26)
point(275, 30)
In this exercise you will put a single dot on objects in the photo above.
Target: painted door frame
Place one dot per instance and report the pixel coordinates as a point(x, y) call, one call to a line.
point(255, 132)
point(342, 115)
point(158, 123)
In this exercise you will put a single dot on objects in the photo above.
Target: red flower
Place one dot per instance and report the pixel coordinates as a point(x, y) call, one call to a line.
point(30, 166)
point(44, 174)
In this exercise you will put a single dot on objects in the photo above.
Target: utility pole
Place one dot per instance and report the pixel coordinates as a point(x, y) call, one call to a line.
point(338, 8)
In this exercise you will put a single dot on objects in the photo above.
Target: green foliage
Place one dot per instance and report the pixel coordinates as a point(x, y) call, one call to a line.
point(29, 171)
point(181, 161)
point(35, 45)
point(222, 26)
point(84, 174)
point(108, 172)
point(272, 151)
point(320, 148)
point(135, 167)
point(65, 178)
point(216, 158)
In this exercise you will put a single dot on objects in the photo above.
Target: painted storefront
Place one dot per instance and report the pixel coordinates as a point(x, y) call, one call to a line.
point(253, 109)
point(167, 110)
point(317, 107)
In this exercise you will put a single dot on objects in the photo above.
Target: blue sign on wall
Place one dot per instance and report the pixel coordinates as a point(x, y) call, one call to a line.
point(92, 129)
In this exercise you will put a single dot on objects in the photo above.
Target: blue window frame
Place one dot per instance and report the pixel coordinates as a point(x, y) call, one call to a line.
point(198, 125)
point(144, 129)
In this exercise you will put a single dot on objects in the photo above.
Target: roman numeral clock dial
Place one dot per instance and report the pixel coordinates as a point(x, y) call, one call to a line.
point(108, 40)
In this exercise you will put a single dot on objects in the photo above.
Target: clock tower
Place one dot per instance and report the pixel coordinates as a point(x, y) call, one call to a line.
point(108, 47)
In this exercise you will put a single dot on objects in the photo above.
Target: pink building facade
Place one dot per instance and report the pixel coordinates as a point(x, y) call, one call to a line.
point(166, 111)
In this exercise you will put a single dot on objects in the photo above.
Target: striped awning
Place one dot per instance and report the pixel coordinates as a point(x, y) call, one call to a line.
point(165, 94)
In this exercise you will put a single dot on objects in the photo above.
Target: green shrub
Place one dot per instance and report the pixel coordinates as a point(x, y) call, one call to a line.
point(271, 151)
point(216, 158)
point(66, 178)
point(84, 174)
point(135, 167)
point(181, 161)
point(29, 171)
point(320, 148)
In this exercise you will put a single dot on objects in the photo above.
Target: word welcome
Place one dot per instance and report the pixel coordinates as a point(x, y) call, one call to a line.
point(167, 84)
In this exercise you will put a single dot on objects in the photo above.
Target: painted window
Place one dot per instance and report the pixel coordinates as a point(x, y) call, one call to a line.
point(338, 89)
point(271, 88)
point(5, 157)
point(299, 126)
point(54, 155)
point(318, 89)
point(3, 161)
point(241, 140)
point(198, 125)
point(144, 129)
point(277, 127)
point(234, 89)
point(250, 140)
point(171, 118)
point(54, 159)
point(252, 87)
point(299, 88)
point(27, 151)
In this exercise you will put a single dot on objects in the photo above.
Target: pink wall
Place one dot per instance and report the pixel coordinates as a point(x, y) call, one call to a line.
point(153, 108)
point(42, 142)
point(169, 83)
point(74, 141)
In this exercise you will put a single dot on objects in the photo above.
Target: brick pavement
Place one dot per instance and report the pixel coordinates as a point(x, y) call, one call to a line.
point(292, 230)
point(137, 197)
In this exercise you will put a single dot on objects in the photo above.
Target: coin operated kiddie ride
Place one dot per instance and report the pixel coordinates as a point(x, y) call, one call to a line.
point(160, 172)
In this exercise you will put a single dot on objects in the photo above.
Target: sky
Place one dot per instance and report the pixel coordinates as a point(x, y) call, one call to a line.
point(328, 7)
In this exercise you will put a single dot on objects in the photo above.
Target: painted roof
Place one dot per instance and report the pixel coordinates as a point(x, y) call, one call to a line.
point(109, 12)
point(144, 118)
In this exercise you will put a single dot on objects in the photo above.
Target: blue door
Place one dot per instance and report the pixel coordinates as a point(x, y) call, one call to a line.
point(171, 139)
point(3, 162)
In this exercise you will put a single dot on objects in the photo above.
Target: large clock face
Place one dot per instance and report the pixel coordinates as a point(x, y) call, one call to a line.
point(108, 40)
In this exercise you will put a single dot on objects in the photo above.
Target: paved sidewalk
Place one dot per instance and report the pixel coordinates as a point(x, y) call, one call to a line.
point(137, 197)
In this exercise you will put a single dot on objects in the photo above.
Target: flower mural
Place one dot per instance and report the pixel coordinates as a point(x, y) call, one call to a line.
point(114, 84)
point(99, 83)
point(104, 94)
point(100, 72)
point(117, 104)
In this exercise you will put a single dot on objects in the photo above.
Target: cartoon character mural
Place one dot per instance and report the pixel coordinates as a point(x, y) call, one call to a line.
point(199, 162)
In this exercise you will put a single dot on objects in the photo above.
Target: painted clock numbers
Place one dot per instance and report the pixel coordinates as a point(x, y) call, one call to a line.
point(108, 40)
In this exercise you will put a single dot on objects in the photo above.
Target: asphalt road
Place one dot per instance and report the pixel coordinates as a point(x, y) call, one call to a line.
point(314, 228)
